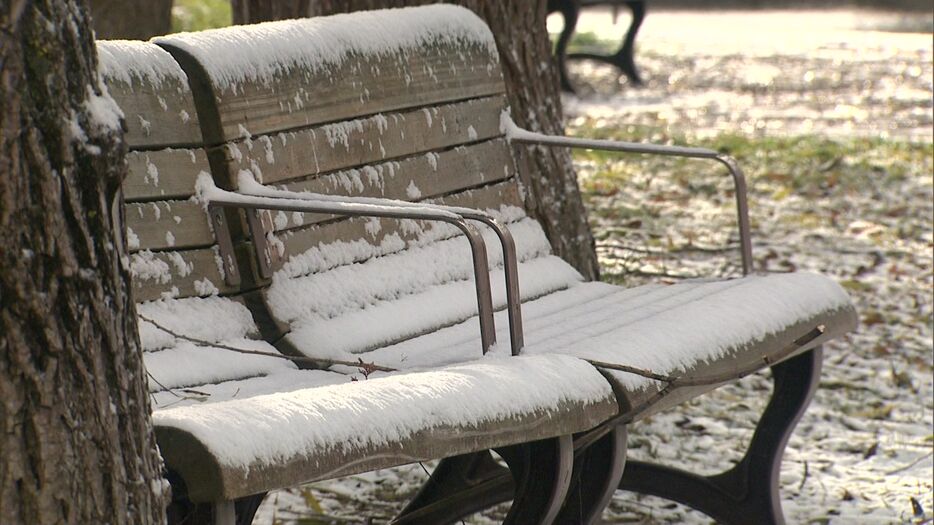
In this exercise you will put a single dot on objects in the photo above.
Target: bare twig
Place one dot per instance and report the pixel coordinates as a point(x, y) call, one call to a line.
point(633, 370)
point(370, 367)
point(671, 383)
point(156, 381)
point(908, 466)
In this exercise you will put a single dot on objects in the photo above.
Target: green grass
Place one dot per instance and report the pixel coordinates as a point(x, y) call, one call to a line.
point(196, 15)
point(588, 42)
point(800, 163)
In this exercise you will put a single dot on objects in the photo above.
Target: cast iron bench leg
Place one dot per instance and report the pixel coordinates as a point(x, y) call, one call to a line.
point(598, 469)
point(622, 59)
point(537, 482)
point(459, 486)
point(748, 492)
point(238, 512)
point(569, 12)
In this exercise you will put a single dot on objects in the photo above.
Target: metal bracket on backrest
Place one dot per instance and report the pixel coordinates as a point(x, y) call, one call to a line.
point(261, 227)
point(224, 245)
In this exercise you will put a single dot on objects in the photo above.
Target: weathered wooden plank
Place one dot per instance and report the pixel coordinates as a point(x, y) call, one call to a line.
point(210, 481)
point(413, 179)
point(153, 93)
point(297, 97)
point(190, 273)
point(331, 147)
point(163, 174)
point(167, 224)
point(377, 231)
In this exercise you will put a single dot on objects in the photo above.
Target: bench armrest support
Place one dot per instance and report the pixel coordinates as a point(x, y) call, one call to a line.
point(218, 197)
point(521, 136)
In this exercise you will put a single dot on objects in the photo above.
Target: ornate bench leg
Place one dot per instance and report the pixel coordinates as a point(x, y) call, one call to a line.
point(748, 492)
point(459, 486)
point(238, 512)
point(570, 12)
point(246, 508)
point(541, 471)
point(224, 513)
point(623, 58)
point(537, 481)
point(597, 473)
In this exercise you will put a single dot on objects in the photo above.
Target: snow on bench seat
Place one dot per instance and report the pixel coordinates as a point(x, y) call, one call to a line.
point(693, 328)
point(174, 364)
point(378, 309)
point(341, 311)
point(243, 446)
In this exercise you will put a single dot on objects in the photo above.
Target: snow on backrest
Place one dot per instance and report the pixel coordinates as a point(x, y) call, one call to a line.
point(153, 93)
point(288, 74)
point(402, 104)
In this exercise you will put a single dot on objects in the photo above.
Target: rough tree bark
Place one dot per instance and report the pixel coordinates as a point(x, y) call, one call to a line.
point(519, 28)
point(76, 441)
point(131, 19)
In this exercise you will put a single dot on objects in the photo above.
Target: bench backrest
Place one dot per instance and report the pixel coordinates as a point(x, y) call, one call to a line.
point(397, 104)
point(390, 104)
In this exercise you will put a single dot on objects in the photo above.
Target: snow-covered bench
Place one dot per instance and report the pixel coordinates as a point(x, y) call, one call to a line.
point(236, 135)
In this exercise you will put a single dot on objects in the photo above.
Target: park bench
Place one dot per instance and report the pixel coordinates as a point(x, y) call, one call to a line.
point(622, 59)
point(297, 205)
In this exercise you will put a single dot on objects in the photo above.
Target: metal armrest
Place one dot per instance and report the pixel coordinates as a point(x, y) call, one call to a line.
point(249, 186)
point(519, 135)
point(218, 197)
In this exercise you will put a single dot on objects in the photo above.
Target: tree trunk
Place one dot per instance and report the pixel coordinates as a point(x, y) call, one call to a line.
point(131, 19)
point(76, 440)
point(553, 196)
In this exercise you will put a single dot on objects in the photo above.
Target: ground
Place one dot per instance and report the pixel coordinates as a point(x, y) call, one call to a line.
point(830, 115)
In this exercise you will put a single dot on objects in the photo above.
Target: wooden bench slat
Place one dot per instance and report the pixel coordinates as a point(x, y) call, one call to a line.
point(163, 174)
point(367, 86)
point(375, 231)
point(286, 156)
point(153, 93)
point(190, 273)
point(167, 224)
point(416, 178)
point(339, 444)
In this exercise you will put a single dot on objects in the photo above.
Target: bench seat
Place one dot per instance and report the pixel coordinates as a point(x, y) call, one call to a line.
point(692, 328)
point(424, 317)
point(308, 434)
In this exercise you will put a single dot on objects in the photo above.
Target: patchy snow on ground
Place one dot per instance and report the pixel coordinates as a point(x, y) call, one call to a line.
point(864, 450)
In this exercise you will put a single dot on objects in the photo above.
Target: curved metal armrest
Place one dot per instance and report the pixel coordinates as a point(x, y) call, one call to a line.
point(219, 197)
point(510, 258)
point(516, 134)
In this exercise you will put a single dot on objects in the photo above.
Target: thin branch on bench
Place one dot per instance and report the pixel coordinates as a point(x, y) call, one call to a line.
point(159, 383)
point(369, 367)
point(673, 382)
point(633, 370)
